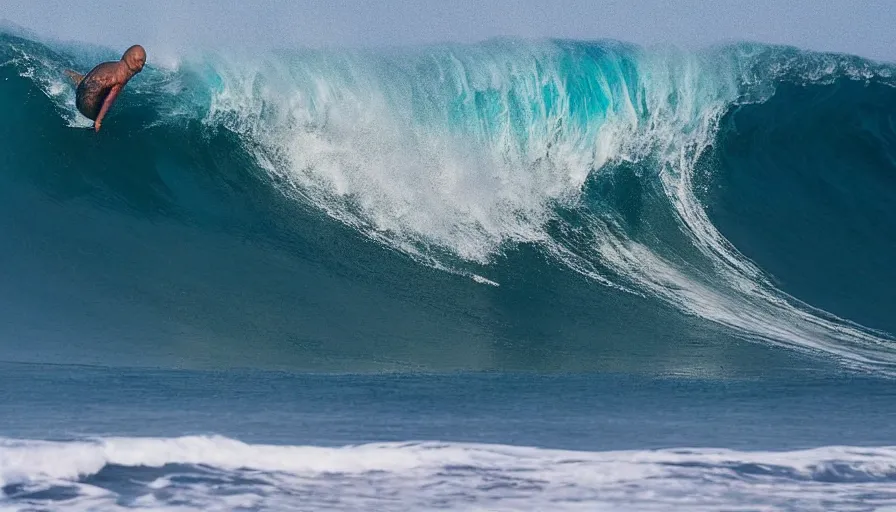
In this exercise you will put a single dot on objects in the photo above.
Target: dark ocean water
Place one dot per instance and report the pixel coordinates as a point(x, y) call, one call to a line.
point(513, 275)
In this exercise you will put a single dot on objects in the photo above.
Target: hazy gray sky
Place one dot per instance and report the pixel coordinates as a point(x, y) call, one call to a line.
point(864, 27)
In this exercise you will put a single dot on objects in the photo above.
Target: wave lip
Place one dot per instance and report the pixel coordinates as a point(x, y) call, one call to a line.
point(204, 473)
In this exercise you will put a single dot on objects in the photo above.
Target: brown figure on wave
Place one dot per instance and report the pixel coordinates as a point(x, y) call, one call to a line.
point(98, 89)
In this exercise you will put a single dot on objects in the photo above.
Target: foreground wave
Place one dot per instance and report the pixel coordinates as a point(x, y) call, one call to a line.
point(603, 157)
point(216, 473)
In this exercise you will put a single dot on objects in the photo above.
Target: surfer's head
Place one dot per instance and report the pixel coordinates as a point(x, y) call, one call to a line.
point(134, 58)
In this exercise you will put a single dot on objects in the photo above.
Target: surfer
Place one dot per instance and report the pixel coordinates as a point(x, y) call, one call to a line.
point(98, 89)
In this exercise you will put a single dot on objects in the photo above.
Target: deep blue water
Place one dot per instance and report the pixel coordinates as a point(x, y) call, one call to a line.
point(514, 275)
point(592, 412)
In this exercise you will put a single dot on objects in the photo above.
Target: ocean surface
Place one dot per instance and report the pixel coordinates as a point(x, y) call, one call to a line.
point(513, 275)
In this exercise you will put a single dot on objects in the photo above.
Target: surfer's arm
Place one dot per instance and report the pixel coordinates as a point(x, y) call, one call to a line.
point(110, 99)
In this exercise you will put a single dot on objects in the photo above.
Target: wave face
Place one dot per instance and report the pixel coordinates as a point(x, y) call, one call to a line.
point(548, 205)
point(215, 473)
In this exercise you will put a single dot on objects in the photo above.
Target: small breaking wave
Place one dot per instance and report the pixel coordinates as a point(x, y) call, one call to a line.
point(216, 473)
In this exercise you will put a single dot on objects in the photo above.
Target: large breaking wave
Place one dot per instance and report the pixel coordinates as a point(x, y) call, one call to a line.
point(601, 158)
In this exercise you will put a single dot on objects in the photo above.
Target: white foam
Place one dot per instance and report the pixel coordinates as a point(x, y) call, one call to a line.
point(227, 474)
point(345, 134)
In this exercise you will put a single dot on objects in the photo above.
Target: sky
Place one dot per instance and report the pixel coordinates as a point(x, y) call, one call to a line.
point(861, 27)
